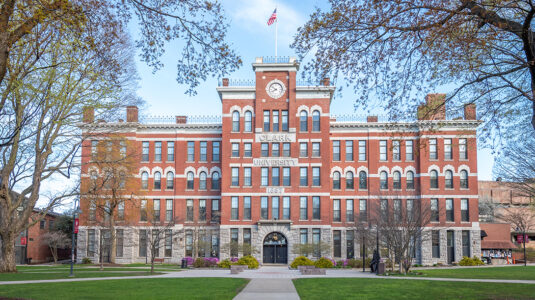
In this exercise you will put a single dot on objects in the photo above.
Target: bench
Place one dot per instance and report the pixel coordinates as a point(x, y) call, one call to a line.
point(159, 260)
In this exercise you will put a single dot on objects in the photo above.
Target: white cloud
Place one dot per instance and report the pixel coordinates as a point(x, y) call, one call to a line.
point(252, 15)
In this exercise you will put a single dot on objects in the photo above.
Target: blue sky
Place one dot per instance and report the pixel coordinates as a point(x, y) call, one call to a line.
point(251, 37)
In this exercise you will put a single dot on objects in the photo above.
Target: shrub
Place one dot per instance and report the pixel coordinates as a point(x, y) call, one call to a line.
point(86, 260)
point(323, 263)
point(340, 264)
point(467, 261)
point(224, 264)
point(233, 259)
point(210, 261)
point(249, 261)
point(199, 263)
point(189, 260)
point(301, 261)
point(477, 261)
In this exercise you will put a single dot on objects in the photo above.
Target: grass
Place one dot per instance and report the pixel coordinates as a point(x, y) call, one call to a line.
point(515, 272)
point(157, 288)
point(361, 288)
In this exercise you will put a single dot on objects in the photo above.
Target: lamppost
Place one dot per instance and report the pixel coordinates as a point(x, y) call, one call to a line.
point(74, 226)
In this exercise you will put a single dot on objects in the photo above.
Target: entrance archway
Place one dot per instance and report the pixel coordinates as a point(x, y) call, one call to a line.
point(275, 249)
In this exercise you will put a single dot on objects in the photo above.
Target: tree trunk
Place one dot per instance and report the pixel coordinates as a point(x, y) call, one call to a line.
point(524, 242)
point(7, 258)
point(54, 251)
point(113, 241)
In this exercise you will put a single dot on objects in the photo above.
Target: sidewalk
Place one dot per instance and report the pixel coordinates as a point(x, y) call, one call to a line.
point(266, 289)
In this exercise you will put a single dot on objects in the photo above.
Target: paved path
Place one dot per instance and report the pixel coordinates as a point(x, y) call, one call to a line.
point(267, 289)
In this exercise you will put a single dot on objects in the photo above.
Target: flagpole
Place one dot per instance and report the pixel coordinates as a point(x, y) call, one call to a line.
point(276, 28)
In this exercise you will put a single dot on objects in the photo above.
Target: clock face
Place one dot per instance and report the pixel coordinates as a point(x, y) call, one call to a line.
point(275, 89)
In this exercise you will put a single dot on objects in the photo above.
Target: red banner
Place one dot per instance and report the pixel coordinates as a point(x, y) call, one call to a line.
point(76, 223)
point(520, 238)
point(23, 241)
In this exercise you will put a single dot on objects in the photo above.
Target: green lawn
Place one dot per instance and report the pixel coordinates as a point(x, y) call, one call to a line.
point(359, 288)
point(516, 272)
point(157, 288)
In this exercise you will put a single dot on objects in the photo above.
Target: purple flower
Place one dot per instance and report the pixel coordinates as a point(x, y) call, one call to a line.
point(233, 259)
point(189, 260)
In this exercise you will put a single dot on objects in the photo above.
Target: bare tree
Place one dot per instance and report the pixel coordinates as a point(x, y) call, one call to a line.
point(521, 219)
point(516, 166)
point(56, 240)
point(316, 249)
point(158, 234)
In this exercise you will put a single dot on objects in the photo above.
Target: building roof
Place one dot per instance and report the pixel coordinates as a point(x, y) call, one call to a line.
point(497, 244)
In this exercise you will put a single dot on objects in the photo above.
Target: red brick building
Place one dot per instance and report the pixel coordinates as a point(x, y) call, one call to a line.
point(29, 247)
point(278, 170)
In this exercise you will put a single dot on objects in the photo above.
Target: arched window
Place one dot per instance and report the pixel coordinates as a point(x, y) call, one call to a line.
point(336, 180)
point(157, 180)
point(170, 180)
point(189, 178)
point(235, 121)
point(202, 181)
point(349, 181)
point(248, 127)
point(315, 120)
point(449, 179)
point(363, 180)
point(144, 180)
point(215, 181)
point(410, 180)
point(396, 180)
point(94, 177)
point(464, 179)
point(384, 180)
point(303, 121)
point(433, 179)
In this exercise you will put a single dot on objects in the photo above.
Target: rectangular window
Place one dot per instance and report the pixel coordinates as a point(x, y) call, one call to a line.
point(92, 210)
point(337, 243)
point(191, 151)
point(235, 173)
point(119, 242)
point(363, 215)
point(384, 208)
point(410, 210)
point(316, 213)
point(143, 211)
point(336, 150)
point(170, 151)
point(247, 181)
point(275, 176)
point(189, 243)
point(247, 208)
point(266, 120)
point(235, 150)
point(142, 243)
point(303, 208)
point(396, 155)
point(350, 244)
point(156, 242)
point(94, 150)
point(247, 241)
point(316, 238)
point(349, 210)
point(145, 151)
point(316, 176)
point(275, 150)
point(264, 148)
point(409, 156)
point(216, 147)
point(284, 120)
point(286, 180)
point(216, 214)
point(465, 217)
point(449, 210)
point(51, 223)
point(202, 210)
point(168, 243)
point(303, 176)
point(382, 151)
point(435, 243)
point(462, 149)
point(275, 120)
point(362, 150)
point(349, 150)
point(397, 210)
point(433, 149)
point(157, 151)
point(466, 243)
point(303, 149)
point(447, 149)
point(336, 210)
point(156, 212)
point(303, 236)
point(42, 224)
point(234, 212)
point(275, 208)
point(264, 207)
point(91, 242)
point(203, 151)
point(247, 150)
point(234, 240)
point(286, 208)
point(264, 176)
point(189, 210)
point(316, 149)
point(434, 210)
point(286, 149)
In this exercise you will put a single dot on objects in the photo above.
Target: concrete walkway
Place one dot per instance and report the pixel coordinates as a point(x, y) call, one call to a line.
point(267, 289)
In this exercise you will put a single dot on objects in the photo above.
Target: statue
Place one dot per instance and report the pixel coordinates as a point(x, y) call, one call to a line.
point(375, 261)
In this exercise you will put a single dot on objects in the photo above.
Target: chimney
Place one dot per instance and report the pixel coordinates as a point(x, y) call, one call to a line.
point(132, 114)
point(372, 119)
point(326, 81)
point(434, 107)
point(181, 119)
point(470, 111)
point(88, 114)
point(225, 81)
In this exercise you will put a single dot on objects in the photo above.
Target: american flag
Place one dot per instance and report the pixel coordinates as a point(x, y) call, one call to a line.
point(273, 17)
